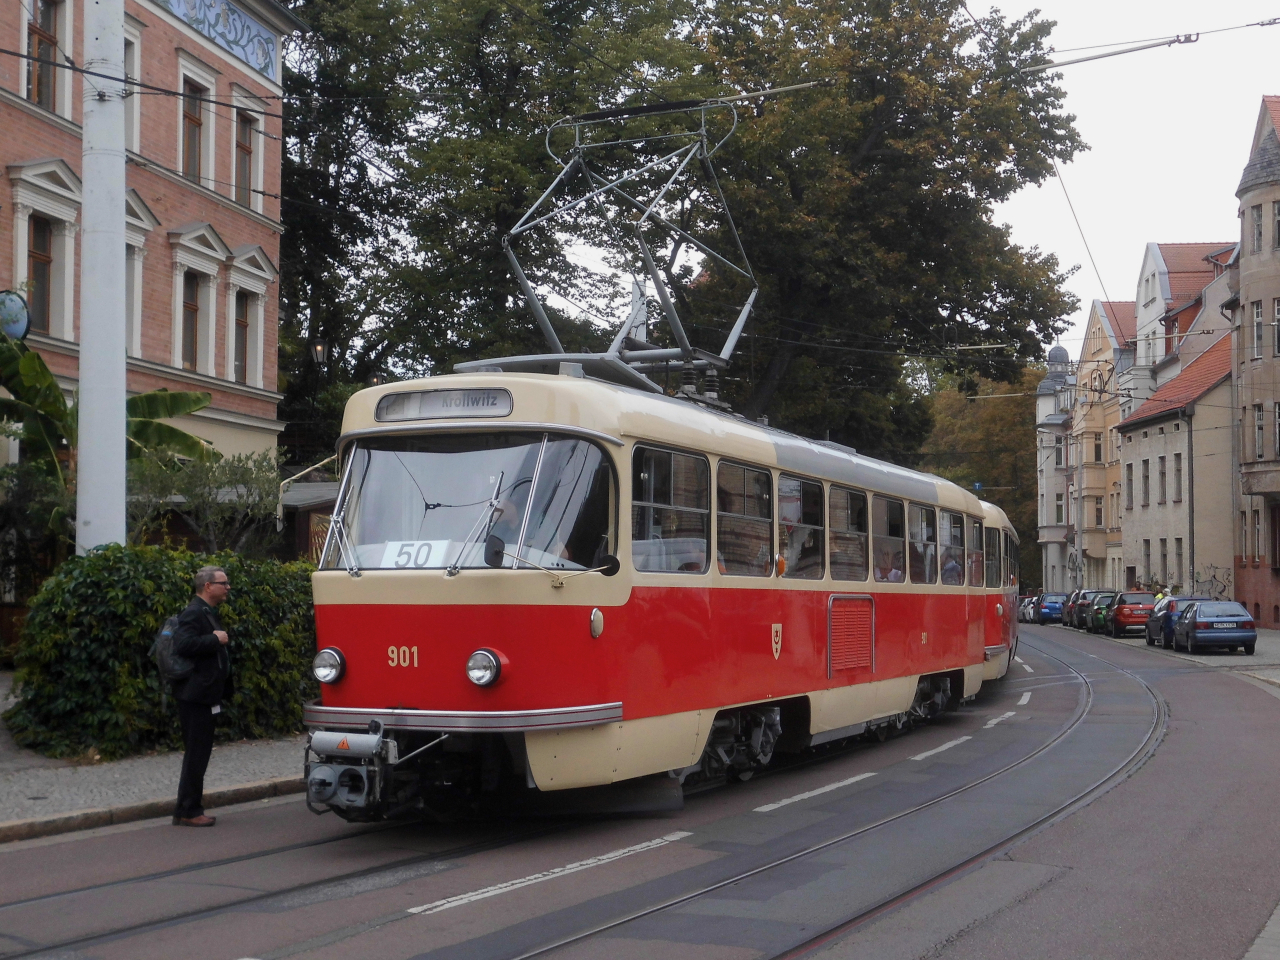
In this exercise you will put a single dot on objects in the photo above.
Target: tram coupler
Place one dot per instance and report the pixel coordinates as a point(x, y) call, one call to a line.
point(350, 768)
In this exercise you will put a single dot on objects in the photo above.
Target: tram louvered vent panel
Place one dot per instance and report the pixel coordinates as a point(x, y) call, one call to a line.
point(851, 632)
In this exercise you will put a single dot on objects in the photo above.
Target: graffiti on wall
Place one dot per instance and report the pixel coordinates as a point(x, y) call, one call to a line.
point(232, 29)
point(1213, 581)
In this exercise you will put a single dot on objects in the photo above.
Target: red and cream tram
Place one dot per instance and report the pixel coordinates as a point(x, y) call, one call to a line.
point(538, 582)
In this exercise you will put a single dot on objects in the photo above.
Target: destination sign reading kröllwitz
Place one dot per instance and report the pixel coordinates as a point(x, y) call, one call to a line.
point(442, 404)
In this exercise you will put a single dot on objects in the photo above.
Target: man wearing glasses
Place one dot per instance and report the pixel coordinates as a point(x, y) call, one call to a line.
point(200, 638)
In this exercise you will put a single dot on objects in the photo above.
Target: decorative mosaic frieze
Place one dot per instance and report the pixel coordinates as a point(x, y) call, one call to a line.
point(232, 29)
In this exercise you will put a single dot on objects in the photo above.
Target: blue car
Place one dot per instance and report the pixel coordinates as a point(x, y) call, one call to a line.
point(1215, 623)
point(1049, 607)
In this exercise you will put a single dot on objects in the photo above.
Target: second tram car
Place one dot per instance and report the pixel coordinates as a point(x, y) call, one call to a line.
point(545, 582)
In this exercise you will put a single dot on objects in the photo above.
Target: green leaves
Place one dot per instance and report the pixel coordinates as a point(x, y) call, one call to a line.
point(145, 434)
point(84, 678)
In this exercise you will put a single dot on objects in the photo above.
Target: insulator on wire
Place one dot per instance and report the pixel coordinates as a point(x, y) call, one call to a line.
point(688, 379)
point(711, 384)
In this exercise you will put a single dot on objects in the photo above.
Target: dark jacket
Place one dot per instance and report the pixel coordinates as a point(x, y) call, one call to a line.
point(194, 639)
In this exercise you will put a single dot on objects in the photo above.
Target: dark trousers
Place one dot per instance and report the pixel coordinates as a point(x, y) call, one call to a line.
point(197, 739)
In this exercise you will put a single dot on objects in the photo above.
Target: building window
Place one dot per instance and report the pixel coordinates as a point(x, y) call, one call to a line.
point(1244, 534)
point(1058, 508)
point(1164, 560)
point(1097, 511)
point(1160, 479)
point(1146, 561)
point(1177, 558)
point(244, 159)
point(240, 354)
point(1275, 327)
point(39, 272)
point(1128, 486)
point(1257, 329)
point(1177, 477)
point(1257, 535)
point(192, 130)
point(190, 318)
point(42, 43)
point(1058, 450)
point(131, 104)
point(1256, 217)
point(1146, 482)
point(1259, 425)
point(1097, 448)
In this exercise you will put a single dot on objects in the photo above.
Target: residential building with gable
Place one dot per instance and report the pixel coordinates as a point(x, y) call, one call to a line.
point(202, 215)
point(1177, 464)
point(1106, 353)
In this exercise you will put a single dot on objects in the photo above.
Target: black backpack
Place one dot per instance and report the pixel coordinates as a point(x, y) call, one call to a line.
point(174, 667)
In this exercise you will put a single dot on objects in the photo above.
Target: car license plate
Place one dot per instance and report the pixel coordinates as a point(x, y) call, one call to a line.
point(1223, 626)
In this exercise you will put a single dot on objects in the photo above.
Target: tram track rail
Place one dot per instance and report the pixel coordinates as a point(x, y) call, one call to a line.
point(1122, 771)
point(1117, 775)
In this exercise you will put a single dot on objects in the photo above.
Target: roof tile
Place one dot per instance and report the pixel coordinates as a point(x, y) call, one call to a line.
point(1198, 377)
point(1123, 315)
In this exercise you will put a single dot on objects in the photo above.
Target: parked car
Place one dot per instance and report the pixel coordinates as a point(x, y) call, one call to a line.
point(1024, 608)
point(1096, 611)
point(1215, 623)
point(1077, 617)
point(1159, 628)
point(1128, 612)
point(1049, 608)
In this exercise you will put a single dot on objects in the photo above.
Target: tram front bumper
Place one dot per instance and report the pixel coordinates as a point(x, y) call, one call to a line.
point(454, 721)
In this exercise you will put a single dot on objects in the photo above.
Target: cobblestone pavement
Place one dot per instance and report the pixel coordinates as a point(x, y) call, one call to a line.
point(35, 786)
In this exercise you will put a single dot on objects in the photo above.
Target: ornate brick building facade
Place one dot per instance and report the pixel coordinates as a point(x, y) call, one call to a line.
point(202, 213)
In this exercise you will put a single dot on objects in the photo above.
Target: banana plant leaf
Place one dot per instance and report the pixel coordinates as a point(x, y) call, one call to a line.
point(143, 436)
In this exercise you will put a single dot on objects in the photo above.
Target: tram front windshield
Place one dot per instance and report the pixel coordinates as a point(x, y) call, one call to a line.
point(431, 502)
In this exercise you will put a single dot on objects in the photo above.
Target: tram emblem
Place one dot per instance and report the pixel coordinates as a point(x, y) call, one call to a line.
point(777, 640)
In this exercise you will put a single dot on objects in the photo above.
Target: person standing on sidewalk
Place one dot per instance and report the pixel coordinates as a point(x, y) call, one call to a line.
point(200, 638)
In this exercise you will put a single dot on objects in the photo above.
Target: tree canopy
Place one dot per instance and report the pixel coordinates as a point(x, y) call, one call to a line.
point(866, 206)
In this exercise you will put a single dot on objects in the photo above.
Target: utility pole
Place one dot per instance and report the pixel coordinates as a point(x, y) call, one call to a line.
point(100, 470)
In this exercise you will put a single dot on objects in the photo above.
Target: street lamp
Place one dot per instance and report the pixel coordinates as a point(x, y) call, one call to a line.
point(377, 378)
point(319, 351)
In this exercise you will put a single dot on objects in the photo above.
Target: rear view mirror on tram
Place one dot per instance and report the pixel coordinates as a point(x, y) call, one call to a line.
point(609, 565)
point(494, 550)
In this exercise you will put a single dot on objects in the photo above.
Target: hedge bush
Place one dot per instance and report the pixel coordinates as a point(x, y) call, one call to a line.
point(84, 679)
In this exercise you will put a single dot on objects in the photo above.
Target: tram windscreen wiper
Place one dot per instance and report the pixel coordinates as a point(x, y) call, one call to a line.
point(485, 519)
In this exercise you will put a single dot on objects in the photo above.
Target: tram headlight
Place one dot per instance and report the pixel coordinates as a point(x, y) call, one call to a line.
point(483, 668)
point(329, 665)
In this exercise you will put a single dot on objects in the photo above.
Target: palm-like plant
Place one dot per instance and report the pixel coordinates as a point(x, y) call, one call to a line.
point(50, 424)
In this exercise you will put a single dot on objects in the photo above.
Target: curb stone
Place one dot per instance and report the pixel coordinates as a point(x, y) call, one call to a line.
point(128, 813)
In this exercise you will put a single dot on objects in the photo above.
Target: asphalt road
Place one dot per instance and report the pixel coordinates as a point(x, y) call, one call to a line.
point(1101, 801)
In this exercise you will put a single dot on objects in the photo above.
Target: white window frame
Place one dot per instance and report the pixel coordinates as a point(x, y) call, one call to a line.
point(1257, 329)
point(249, 104)
point(67, 79)
point(139, 221)
point(251, 271)
point(1259, 431)
point(132, 69)
point(198, 248)
point(49, 189)
point(189, 68)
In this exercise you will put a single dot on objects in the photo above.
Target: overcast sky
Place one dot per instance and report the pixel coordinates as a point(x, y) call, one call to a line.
point(1169, 131)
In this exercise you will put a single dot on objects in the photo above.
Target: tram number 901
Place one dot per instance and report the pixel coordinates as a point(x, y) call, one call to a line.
point(402, 656)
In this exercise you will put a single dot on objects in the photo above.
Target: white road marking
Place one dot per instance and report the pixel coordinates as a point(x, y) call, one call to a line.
point(991, 723)
point(812, 793)
point(1028, 669)
point(547, 874)
point(1019, 659)
point(1026, 698)
point(945, 746)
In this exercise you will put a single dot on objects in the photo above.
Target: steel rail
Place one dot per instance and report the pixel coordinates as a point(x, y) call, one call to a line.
point(1154, 735)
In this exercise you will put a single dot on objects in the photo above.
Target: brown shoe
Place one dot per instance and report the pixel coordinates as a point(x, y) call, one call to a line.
point(200, 821)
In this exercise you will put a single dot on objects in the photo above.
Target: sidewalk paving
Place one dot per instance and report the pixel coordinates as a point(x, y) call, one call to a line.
point(33, 787)
point(1263, 665)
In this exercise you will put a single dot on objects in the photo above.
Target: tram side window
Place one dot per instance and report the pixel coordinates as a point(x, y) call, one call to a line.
point(744, 520)
point(924, 544)
point(800, 527)
point(888, 528)
point(1010, 561)
point(993, 558)
point(976, 563)
point(670, 511)
point(952, 534)
point(848, 534)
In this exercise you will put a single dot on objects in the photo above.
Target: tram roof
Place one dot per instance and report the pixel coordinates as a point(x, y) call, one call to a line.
point(625, 414)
